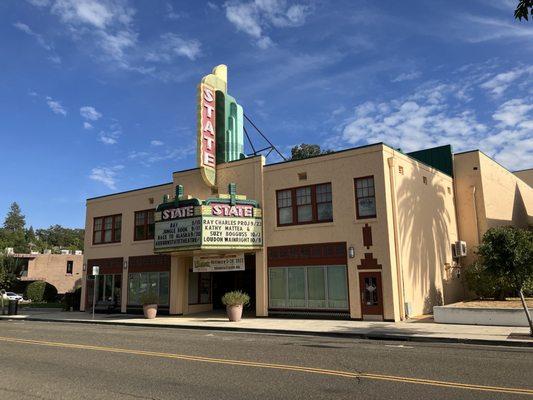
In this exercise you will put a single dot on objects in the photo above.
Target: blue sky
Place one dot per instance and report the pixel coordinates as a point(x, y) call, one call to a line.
point(98, 96)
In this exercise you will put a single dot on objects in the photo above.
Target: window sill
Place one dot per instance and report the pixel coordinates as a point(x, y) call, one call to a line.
point(308, 226)
point(144, 241)
point(98, 245)
point(365, 220)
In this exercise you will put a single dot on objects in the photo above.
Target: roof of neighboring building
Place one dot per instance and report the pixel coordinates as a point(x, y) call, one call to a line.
point(128, 191)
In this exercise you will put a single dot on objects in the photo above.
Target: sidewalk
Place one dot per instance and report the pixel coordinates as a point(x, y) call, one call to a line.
point(414, 330)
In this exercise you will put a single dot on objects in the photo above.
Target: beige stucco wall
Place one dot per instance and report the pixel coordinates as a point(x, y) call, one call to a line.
point(426, 228)
point(340, 169)
point(52, 268)
point(488, 195)
point(126, 204)
point(526, 175)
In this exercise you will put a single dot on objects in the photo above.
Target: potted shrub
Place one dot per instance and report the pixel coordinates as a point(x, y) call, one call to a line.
point(234, 301)
point(149, 301)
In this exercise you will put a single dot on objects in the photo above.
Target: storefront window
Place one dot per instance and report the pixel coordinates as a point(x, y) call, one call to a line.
point(312, 288)
point(296, 287)
point(278, 287)
point(143, 282)
point(108, 288)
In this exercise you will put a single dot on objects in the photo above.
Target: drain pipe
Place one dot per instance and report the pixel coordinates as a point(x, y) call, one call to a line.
point(399, 265)
point(474, 202)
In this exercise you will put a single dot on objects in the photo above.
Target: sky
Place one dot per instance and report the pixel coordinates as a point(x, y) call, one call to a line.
point(99, 96)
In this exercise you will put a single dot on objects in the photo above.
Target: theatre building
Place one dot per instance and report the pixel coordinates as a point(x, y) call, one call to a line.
point(363, 233)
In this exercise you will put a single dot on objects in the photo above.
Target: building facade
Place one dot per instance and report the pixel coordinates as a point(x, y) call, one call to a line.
point(63, 271)
point(364, 233)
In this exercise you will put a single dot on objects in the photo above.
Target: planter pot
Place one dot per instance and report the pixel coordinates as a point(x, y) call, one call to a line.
point(150, 311)
point(234, 313)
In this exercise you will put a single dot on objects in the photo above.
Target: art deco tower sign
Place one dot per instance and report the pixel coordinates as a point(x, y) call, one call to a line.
point(220, 124)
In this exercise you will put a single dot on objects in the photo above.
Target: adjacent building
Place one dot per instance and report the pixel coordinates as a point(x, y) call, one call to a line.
point(63, 271)
point(364, 233)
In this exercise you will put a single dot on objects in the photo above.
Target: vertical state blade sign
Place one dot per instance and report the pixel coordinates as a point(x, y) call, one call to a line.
point(207, 134)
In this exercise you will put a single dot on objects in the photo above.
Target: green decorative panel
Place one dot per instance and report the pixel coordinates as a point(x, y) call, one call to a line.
point(440, 158)
point(229, 128)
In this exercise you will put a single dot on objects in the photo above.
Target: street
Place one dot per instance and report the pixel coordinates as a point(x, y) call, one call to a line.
point(81, 361)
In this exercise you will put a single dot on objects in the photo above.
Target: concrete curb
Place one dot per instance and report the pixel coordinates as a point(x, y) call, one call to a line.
point(349, 335)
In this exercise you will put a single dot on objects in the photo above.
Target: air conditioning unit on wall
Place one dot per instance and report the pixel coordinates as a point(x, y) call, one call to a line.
point(459, 249)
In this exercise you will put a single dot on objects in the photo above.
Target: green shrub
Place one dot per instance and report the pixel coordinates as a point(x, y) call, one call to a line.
point(484, 284)
point(41, 291)
point(149, 297)
point(235, 298)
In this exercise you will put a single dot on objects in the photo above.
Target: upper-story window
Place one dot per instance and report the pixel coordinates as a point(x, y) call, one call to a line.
point(365, 197)
point(107, 229)
point(144, 225)
point(305, 205)
point(70, 267)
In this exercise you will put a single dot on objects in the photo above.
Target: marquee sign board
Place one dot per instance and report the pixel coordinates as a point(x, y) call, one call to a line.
point(228, 222)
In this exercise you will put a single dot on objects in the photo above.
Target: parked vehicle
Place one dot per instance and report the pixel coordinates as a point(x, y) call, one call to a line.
point(13, 296)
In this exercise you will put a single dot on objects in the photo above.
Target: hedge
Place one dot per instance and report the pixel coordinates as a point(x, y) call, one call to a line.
point(41, 291)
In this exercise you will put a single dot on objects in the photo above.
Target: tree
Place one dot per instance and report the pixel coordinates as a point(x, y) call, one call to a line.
point(15, 221)
point(507, 252)
point(523, 9)
point(306, 151)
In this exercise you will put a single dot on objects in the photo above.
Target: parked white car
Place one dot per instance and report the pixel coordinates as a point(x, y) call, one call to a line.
point(13, 296)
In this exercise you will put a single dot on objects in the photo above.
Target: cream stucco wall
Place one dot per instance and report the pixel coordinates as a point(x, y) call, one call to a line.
point(426, 228)
point(126, 204)
point(526, 175)
point(488, 195)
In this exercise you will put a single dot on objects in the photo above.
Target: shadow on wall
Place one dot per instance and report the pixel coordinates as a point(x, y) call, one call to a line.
point(423, 223)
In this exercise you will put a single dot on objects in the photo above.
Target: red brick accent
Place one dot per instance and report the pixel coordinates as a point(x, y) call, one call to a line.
point(369, 262)
point(107, 265)
point(307, 254)
point(367, 236)
point(149, 263)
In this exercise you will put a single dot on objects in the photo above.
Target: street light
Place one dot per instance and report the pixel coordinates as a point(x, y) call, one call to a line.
point(96, 271)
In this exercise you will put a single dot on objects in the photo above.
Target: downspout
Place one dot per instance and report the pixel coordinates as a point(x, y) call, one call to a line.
point(399, 265)
point(474, 202)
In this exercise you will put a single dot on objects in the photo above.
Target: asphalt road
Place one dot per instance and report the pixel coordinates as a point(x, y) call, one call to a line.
point(43, 360)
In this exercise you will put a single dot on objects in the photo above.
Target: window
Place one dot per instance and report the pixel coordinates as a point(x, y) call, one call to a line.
point(107, 229)
point(70, 266)
point(365, 197)
point(108, 288)
point(143, 282)
point(312, 288)
point(144, 225)
point(305, 205)
point(199, 287)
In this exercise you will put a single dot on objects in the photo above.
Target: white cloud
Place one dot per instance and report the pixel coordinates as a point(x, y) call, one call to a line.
point(111, 135)
point(40, 40)
point(39, 3)
point(172, 14)
point(499, 83)
point(87, 125)
point(407, 76)
point(512, 112)
point(254, 17)
point(156, 143)
point(434, 115)
point(90, 113)
point(106, 175)
point(148, 158)
point(172, 45)
point(55, 106)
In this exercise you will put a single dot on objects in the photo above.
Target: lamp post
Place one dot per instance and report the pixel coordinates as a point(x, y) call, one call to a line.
point(96, 271)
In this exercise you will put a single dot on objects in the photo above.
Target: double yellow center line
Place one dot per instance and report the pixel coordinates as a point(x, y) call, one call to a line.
point(254, 364)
